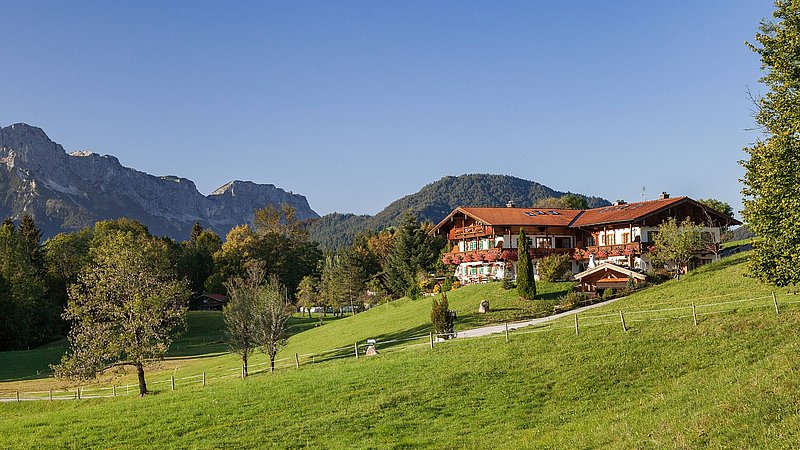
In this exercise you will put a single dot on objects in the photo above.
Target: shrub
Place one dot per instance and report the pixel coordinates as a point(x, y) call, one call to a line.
point(508, 280)
point(573, 299)
point(455, 285)
point(447, 284)
point(440, 316)
point(554, 268)
point(608, 294)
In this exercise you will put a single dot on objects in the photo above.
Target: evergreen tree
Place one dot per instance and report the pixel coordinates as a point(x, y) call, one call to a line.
point(413, 251)
point(197, 230)
point(772, 177)
point(26, 313)
point(8, 222)
point(32, 238)
point(526, 284)
point(441, 318)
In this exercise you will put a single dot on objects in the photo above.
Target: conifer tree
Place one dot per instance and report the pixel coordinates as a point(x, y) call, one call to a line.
point(412, 251)
point(197, 230)
point(526, 284)
point(32, 238)
point(772, 177)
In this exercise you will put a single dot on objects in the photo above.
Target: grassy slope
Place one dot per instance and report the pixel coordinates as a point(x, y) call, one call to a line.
point(730, 382)
point(202, 347)
point(405, 318)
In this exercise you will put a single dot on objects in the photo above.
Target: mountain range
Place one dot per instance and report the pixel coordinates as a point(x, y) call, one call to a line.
point(69, 191)
point(434, 201)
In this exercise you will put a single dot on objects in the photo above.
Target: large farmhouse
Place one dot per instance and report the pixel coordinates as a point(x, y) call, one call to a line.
point(484, 239)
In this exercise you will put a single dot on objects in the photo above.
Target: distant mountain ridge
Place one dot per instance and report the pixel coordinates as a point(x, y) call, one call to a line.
point(70, 191)
point(434, 201)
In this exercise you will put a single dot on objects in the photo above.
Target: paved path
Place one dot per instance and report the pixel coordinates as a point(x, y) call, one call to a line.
point(483, 331)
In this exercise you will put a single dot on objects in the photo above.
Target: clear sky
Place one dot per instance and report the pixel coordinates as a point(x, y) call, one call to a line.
point(356, 103)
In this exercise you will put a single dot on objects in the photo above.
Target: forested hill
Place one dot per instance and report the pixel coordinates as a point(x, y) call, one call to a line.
point(434, 201)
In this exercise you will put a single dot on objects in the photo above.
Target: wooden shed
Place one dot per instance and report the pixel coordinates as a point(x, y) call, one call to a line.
point(208, 302)
point(607, 276)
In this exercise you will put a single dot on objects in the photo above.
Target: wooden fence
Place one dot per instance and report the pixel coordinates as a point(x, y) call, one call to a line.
point(579, 323)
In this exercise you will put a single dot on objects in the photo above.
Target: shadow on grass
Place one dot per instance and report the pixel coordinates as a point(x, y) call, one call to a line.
point(383, 342)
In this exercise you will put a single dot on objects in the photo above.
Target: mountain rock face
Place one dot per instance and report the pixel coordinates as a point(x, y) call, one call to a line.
point(434, 201)
point(70, 191)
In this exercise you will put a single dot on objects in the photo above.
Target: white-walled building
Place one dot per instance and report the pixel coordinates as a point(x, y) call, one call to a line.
point(484, 239)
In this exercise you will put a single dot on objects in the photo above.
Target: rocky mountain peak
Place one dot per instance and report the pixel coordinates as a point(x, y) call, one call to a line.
point(68, 191)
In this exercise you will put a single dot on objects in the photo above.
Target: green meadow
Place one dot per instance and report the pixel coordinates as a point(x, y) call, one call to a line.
point(731, 381)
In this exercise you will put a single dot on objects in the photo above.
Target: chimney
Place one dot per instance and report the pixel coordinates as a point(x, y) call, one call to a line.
point(510, 204)
point(619, 202)
point(664, 195)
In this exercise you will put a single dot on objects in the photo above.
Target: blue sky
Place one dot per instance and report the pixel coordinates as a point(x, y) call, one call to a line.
point(357, 103)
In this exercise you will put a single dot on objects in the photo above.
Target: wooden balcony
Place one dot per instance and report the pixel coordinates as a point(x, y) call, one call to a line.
point(502, 254)
point(633, 249)
point(470, 232)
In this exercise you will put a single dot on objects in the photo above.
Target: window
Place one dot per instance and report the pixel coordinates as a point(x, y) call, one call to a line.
point(626, 237)
point(543, 242)
point(485, 244)
point(610, 240)
point(472, 245)
point(473, 270)
point(652, 235)
point(563, 242)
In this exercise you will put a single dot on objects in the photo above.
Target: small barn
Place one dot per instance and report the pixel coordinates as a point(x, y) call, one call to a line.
point(607, 276)
point(208, 302)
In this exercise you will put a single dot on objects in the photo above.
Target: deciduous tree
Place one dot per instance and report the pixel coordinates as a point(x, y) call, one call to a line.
point(772, 174)
point(676, 243)
point(243, 313)
point(272, 325)
point(125, 308)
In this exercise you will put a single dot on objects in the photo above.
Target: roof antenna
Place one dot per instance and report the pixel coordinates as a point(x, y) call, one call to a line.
point(644, 193)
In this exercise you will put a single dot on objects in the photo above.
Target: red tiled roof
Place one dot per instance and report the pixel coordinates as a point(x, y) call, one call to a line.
point(623, 213)
point(523, 216)
point(628, 212)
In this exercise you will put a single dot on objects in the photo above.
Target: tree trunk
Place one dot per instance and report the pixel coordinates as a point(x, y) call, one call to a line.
point(271, 362)
point(142, 383)
point(244, 364)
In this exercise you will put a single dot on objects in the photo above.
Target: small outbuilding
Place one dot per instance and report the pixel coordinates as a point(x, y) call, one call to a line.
point(607, 276)
point(208, 302)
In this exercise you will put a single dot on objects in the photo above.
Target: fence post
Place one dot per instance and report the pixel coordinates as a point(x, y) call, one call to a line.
point(430, 335)
point(775, 302)
point(355, 346)
point(127, 389)
point(622, 319)
point(204, 379)
point(17, 396)
point(78, 393)
point(694, 314)
point(51, 395)
point(296, 361)
point(243, 371)
point(114, 390)
point(506, 332)
point(172, 379)
point(577, 333)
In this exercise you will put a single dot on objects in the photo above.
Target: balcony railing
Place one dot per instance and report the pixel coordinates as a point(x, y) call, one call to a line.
point(629, 249)
point(500, 254)
point(470, 232)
